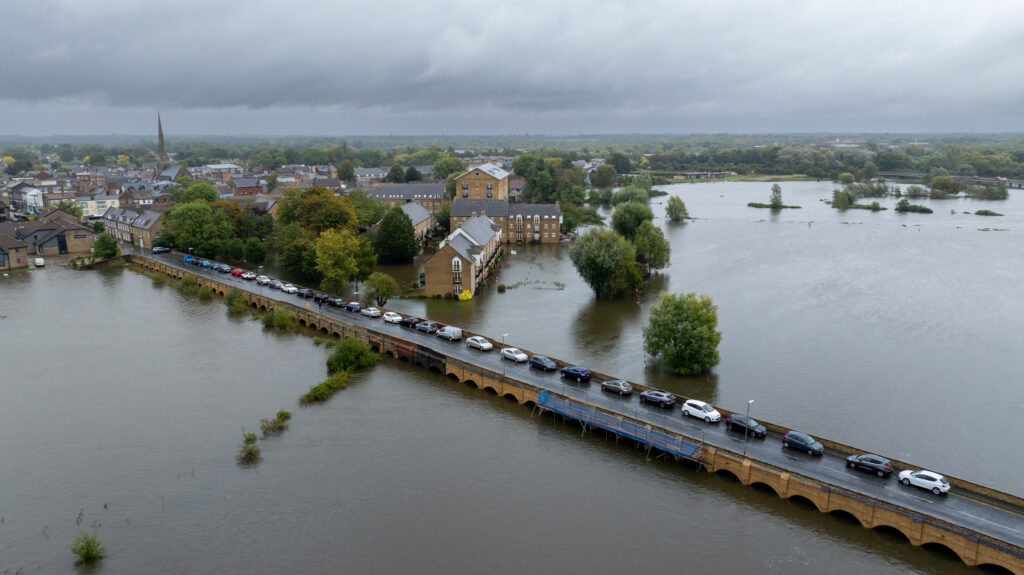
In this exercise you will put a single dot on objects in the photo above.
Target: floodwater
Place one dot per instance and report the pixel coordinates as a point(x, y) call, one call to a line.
point(122, 405)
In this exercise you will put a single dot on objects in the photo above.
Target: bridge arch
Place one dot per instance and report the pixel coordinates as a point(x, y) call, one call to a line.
point(728, 474)
point(510, 396)
point(804, 501)
point(764, 487)
point(939, 547)
point(846, 516)
point(891, 531)
point(995, 568)
point(469, 381)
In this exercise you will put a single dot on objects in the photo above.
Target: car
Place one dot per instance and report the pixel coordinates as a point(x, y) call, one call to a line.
point(337, 302)
point(662, 398)
point(802, 442)
point(881, 466)
point(749, 426)
point(304, 292)
point(275, 284)
point(700, 410)
point(514, 354)
point(391, 317)
point(188, 260)
point(408, 321)
point(619, 386)
point(576, 372)
point(480, 343)
point(353, 306)
point(450, 332)
point(205, 264)
point(925, 479)
point(262, 280)
point(321, 297)
point(543, 362)
point(249, 276)
point(289, 288)
point(161, 249)
point(237, 272)
point(223, 268)
point(428, 326)
point(371, 312)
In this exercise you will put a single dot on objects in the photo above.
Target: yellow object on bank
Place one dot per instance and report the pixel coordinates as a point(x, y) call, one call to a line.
point(465, 295)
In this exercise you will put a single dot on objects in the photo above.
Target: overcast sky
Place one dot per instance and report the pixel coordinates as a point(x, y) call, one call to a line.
point(338, 68)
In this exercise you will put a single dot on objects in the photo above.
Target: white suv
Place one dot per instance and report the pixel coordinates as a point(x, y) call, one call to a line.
point(700, 410)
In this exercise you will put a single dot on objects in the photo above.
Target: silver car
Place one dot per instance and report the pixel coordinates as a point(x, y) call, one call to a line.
point(479, 342)
point(514, 354)
point(619, 386)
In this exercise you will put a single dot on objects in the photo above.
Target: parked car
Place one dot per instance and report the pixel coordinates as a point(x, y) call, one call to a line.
point(543, 362)
point(881, 466)
point(924, 479)
point(304, 292)
point(514, 354)
point(337, 302)
point(275, 284)
point(428, 326)
point(749, 426)
point(223, 268)
point(289, 288)
point(662, 398)
point(237, 272)
point(802, 442)
point(576, 372)
point(205, 264)
point(249, 276)
point(353, 306)
point(450, 332)
point(188, 260)
point(321, 297)
point(619, 386)
point(161, 249)
point(392, 317)
point(371, 312)
point(480, 343)
point(408, 321)
point(700, 410)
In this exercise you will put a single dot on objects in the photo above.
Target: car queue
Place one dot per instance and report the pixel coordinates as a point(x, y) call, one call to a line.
point(739, 423)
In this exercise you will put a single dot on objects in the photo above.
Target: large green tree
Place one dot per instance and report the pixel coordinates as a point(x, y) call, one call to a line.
point(682, 330)
point(255, 251)
point(197, 226)
point(366, 259)
point(299, 258)
point(607, 262)
point(446, 165)
point(106, 246)
point(604, 176)
point(368, 211)
point(346, 171)
point(336, 252)
point(776, 198)
point(316, 210)
point(651, 243)
point(676, 209)
point(396, 175)
point(396, 238)
point(628, 216)
point(380, 287)
point(413, 175)
point(194, 191)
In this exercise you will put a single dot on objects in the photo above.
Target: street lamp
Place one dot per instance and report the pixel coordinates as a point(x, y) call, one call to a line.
point(503, 336)
point(746, 429)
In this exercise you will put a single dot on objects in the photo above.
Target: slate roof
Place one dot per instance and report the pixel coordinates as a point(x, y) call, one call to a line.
point(246, 182)
point(545, 211)
point(480, 228)
point(464, 247)
point(466, 208)
point(489, 169)
point(433, 191)
point(416, 213)
point(9, 243)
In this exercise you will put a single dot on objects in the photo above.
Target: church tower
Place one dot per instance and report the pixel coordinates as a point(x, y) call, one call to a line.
point(163, 161)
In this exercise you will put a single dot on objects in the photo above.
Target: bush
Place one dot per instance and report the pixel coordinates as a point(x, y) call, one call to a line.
point(501, 288)
point(87, 548)
point(842, 199)
point(986, 213)
point(988, 192)
point(205, 293)
point(905, 206)
point(351, 354)
point(279, 319)
point(159, 279)
point(915, 191)
point(272, 425)
point(325, 389)
point(248, 453)
point(235, 300)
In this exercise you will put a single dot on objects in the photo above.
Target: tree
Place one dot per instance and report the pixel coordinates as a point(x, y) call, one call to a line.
point(620, 161)
point(396, 175)
point(413, 175)
point(366, 259)
point(368, 211)
point(776, 198)
point(681, 329)
point(97, 226)
point(316, 210)
point(630, 193)
point(607, 262)
point(869, 172)
point(347, 172)
point(604, 177)
point(123, 160)
point(195, 225)
point(335, 252)
point(380, 287)
point(443, 217)
point(234, 248)
point(255, 251)
point(396, 238)
point(846, 178)
point(106, 246)
point(194, 191)
point(71, 207)
point(446, 165)
point(299, 258)
point(651, 243)
point(676, 209)
point(628, 217)
point(944, 186)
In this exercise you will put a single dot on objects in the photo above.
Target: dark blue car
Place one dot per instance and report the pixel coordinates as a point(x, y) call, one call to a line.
point(576, 372)
point(802, 442)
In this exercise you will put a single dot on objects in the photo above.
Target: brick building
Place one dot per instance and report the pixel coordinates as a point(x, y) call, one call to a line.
point(484, 182)
point(485, 190)
point(430, 196)
point(13, 253)
point(136, 227)
point(464, 258)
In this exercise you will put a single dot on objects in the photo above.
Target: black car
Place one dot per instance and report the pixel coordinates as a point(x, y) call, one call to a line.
point(877, 464)
point(745, 424)
point(428, 326)
point(223, 268)
point(304, 292)
point(662, 398)
point(321, 297)
point(409, 321)
point(541, 362)
point(161, 249)
point(802, 442)
point(337, 302)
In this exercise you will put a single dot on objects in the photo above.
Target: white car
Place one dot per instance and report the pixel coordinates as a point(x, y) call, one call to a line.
point(249, 276)
point(479, 342)
point(392, 317)
point(700, 410)
point(514, 354)
point(929, 480)
point(263, 280)
point(289, 288)
point(371, 312)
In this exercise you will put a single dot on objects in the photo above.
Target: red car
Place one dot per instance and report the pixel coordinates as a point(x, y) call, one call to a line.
point(237, 272)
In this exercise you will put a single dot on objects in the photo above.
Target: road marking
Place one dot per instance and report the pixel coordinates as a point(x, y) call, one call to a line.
point(990, 521)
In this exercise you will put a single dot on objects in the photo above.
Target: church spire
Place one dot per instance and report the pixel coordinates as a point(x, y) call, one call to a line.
point(161, 148)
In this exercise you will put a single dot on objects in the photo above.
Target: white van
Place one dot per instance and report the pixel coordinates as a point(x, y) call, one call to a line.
point(449, 332)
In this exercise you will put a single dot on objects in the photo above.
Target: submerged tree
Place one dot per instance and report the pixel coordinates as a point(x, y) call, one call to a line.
point(676, 209)
point(607, 262)
point(681, 330)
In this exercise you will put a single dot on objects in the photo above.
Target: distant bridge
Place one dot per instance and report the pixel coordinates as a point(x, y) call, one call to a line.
point(973, 179)
point(981, 525)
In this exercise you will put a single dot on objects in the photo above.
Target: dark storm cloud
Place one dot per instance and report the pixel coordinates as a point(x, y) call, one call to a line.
point(533, 65)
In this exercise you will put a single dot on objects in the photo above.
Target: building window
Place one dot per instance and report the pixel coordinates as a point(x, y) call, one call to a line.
point(465, 189)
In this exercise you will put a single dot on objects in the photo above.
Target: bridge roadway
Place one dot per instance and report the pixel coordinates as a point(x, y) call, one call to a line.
point(975, 179)
point(998, 520)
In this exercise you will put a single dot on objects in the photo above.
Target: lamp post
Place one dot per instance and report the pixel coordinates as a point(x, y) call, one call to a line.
point(746, 429)
point(503, 336)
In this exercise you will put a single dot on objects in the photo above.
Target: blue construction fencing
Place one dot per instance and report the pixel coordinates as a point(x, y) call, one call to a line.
point(672, 444)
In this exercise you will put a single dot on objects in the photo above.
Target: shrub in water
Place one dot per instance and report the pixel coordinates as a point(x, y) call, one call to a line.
point(351, 354)
point(279, 318)
point(501, 288)
point(87, 548)
point(205, 293)
point(235, 300)
point(325, 389)
point(986, 213)
point(248, 451)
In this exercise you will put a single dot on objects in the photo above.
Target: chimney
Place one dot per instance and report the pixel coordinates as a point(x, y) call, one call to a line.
point(483, 213)
point(474, 214)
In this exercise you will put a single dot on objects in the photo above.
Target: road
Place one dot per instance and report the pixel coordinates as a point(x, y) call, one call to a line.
point(997, 522)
